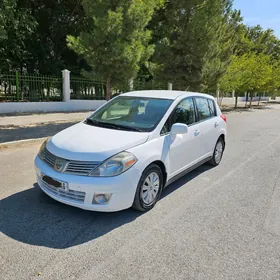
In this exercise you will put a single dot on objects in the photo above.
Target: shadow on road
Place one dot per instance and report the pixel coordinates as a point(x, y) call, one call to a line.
point(31, 132)
point(33, 218)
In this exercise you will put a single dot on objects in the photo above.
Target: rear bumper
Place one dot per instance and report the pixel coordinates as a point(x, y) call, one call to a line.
point(81, 189)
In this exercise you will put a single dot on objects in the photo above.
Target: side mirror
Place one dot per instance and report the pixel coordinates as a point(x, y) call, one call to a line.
point(179, 128)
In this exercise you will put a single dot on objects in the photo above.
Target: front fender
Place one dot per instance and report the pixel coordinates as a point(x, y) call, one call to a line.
point(151, 151)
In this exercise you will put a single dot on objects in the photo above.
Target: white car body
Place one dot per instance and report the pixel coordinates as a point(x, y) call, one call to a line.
point(175, 154)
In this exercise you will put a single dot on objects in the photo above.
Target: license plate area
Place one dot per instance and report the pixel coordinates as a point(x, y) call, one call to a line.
point(54, 183)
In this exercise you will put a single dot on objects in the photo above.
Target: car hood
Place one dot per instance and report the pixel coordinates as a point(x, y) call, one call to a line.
point(84, 142)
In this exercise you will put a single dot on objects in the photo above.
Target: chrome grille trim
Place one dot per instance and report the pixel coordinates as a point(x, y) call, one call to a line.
point(82, 168)
point(72, 195)
point(49, 158)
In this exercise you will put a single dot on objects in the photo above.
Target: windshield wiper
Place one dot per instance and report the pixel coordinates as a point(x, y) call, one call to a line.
point(90, 121)
point(112, 125)
point(124, 127)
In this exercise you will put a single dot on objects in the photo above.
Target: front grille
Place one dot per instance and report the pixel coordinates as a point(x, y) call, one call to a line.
point(82, 168)
point(70, 195)
point(49, 158)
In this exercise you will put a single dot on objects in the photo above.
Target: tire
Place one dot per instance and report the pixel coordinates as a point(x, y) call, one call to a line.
point(146, 192)
point(218, 152)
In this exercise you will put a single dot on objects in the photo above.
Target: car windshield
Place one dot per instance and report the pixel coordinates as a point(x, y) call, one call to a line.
point(131, 113)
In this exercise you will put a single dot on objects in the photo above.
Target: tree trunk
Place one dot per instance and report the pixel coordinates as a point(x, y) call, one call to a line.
point(236, 101)
point(221, 100)
point(218, 95)
point(260, 96)
point(251, 98)
point(247, 97)
point(108, 89)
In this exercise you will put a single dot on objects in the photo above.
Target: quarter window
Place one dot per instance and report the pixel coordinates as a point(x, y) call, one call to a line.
point(203, 109)
point(212, 107)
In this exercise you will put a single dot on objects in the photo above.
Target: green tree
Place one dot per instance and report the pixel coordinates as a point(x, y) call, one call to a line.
point(225, 31)
point(55, 20)
point(116, 40)
point(16, 26)
point(256, 39)
point(250, 73)
point(195, 40)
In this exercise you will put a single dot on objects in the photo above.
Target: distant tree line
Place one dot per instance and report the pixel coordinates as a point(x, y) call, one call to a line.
point(199, 45)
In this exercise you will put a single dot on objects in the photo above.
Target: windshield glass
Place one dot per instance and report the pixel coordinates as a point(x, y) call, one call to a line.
point(131, 113)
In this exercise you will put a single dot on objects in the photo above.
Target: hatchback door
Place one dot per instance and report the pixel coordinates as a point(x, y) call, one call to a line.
point(185, 149)
point(208, 123)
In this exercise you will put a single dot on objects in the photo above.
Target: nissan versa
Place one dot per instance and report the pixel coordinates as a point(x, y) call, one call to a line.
point(127, 151)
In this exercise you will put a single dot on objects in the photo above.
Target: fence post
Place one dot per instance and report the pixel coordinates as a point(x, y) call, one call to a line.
point(17, 86)
point(66, 85)
point(169, 86)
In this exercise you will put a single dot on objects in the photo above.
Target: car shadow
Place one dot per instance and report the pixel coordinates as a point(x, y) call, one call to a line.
point(185, 179)
point(34, 218)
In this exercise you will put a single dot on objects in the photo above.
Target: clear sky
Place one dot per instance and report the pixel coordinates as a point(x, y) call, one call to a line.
point(263, 12)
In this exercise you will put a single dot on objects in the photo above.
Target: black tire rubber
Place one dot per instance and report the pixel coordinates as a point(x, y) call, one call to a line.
point(212, 160)
point(138, 204)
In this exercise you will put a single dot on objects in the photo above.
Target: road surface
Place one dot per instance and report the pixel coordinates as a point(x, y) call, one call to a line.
point(215, 223)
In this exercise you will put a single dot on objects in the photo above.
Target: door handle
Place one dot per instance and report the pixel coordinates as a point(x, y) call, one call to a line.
point(196, 133)
point(216, 124)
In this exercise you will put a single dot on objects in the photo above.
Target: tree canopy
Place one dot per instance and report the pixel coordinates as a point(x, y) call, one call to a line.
point(200, 45)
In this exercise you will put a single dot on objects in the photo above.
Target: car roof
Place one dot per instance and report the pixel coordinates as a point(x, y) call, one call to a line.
point(165, 94)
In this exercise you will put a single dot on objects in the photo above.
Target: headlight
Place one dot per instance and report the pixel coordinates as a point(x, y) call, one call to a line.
point(115, 165)
point(43, 149)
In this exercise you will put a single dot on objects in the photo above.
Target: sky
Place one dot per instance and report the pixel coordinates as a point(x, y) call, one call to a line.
point(263, 12)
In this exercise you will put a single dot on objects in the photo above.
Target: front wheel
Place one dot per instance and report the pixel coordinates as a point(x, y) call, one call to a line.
point(218, 152)
point(149, 188)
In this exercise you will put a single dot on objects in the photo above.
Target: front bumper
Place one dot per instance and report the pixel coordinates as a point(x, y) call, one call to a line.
point(81, 189)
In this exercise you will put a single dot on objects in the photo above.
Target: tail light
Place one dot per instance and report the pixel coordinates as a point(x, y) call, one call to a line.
point(224, 117)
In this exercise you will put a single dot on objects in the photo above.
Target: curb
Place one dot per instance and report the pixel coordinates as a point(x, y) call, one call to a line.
point(21, 142)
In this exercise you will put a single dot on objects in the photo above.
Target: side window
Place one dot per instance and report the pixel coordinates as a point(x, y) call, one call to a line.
point(203, 108)
point(212, 107)
point(183, 113)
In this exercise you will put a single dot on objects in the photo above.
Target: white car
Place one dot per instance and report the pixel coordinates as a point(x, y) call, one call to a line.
point(127, 151)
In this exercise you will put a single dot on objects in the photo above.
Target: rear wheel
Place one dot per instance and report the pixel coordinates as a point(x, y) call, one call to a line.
point(218, 152)
point(149, 188)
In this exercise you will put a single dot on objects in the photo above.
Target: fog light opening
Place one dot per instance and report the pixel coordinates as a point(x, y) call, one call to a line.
point(101, 198)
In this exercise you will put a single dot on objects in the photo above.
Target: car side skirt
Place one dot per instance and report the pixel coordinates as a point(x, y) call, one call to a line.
point(186, 171)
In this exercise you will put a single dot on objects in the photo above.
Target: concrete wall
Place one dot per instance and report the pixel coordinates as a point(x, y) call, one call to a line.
point(69, 106)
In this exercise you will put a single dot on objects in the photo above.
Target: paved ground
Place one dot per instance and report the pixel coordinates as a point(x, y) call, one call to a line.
point(30, 126)
point(219, 223)
point(35, 119)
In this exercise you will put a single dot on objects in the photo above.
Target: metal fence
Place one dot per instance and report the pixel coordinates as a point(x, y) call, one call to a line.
point(82, 88)
point(148, 85)
point(37, 88)
point(24, 88)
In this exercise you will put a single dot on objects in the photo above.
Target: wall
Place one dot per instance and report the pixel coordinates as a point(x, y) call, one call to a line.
point(241, 100)
point(31, 107)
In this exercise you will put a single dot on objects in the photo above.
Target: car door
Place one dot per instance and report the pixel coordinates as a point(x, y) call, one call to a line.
point(184, 150)
point(208, 124)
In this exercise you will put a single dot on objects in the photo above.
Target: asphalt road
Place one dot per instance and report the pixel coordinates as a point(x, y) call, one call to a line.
point(219, 223)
